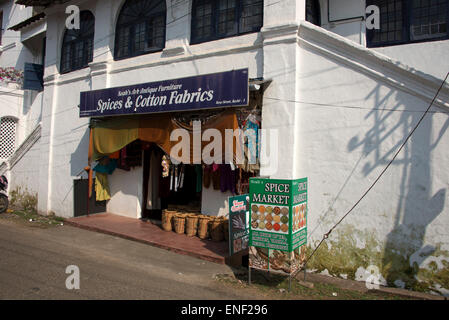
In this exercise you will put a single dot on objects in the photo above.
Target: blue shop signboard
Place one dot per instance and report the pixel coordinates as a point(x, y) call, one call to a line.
point(215, 90)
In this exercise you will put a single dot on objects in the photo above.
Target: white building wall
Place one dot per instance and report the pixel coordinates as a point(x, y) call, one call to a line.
point(339, 118)
point(351, 124)
point(12, 52)
point(25, 172)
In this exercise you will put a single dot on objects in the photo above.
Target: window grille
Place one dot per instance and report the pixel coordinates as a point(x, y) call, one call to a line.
point(140, 28)
point(8, 128)
point(409, 21)
point(77, 46)
point(217, 19)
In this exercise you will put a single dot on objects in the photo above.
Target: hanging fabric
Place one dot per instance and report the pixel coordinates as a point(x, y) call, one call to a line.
point(102, 187)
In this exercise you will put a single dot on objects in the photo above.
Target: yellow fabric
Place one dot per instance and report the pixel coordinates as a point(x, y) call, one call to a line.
point(114, 134)
point(102, 187)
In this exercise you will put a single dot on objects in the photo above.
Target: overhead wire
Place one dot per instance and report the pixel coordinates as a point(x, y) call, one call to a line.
point(326, 235)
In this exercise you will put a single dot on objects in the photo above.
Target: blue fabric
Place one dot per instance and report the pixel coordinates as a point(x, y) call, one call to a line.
point(252, 143)
point(109, 168)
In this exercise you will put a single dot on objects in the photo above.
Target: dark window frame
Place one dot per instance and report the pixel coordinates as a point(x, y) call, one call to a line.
point(69, 61)
point(132, 25)
point(407, 23)
point(313, 12)
point(1, 26)
point(238, 10)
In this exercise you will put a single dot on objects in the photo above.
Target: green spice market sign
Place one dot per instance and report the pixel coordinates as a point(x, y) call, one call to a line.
point(278, 218)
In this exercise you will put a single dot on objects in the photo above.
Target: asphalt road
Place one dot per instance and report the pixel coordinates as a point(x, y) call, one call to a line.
point(33, 264)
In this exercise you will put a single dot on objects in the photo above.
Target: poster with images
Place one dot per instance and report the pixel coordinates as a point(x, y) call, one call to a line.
point(276, 260)
point(278, 223)
point(238, 223)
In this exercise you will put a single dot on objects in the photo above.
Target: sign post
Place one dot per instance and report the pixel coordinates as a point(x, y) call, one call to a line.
point(278, 224)
point(238, 223)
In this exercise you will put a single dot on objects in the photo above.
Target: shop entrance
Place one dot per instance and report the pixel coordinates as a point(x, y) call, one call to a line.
point(174, 186)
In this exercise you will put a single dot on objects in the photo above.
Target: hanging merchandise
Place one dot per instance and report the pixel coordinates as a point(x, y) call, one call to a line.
point(153, 199)
point(207, 175)
point(102, 187)
point(165, 166)
point(215, 175)
point(227, 178)
point(199, 177)
point(251, 128)
point(181, 175)
point(104, 167)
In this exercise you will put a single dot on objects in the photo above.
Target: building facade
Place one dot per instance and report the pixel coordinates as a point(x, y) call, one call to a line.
point(341, 97)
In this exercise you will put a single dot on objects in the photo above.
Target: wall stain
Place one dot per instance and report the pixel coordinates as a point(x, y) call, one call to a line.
point(348, 249)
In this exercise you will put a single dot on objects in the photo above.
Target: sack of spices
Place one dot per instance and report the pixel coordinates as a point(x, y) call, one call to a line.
point(216, 229)
point(203, 227)
point(167, 219)
point(192, 225)
point(179, 221)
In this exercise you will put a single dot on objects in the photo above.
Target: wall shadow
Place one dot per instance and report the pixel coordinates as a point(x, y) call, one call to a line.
point(418, 206)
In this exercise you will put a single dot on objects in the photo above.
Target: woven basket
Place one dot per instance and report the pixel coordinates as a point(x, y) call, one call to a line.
point(167, 219)
point(216, 229)
point(203, 227)
point(180, 222)
point(192, 225)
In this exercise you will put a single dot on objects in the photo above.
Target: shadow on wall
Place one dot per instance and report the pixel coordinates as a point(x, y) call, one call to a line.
point(404, 248)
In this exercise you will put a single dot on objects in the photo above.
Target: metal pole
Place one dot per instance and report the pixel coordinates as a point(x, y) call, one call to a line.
point(249, 275)
point(289, 282)
point(304, 273)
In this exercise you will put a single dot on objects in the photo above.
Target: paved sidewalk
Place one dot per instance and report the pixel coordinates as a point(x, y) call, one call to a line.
point(149, 233)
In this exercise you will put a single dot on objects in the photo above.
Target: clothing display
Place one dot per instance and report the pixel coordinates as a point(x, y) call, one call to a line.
point(207, 172)
point(102, 187)
point(199, 177)
point(104, 167)
point(153, 198)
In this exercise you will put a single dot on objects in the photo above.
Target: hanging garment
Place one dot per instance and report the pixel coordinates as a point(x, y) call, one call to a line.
point(199, 177)
point(215, 175)
point(207, 172)
point(165, 163)
point(181, 176)
point(227, 178)
point(106, 165)
point(153, 200)
point(252, 131)
point(102, 187)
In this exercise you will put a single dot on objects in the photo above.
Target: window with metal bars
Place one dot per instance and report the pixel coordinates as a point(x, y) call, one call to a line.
point(8, 127)
point(404, 21)
point(140, 28)
point(77, 45)
point(217, 19)
point(313, 13)
point(1, 26)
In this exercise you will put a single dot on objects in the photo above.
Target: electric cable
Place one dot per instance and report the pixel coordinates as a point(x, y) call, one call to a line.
point(326, 235)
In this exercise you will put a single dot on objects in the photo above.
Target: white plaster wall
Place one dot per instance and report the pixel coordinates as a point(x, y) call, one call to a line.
point(420, 56)
point(126, 192)
point(215, 202)
point(348, 12)
point(13, 53)
point(25, 172)
point(428, 57)
point(66, 135)
point(350, 125)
